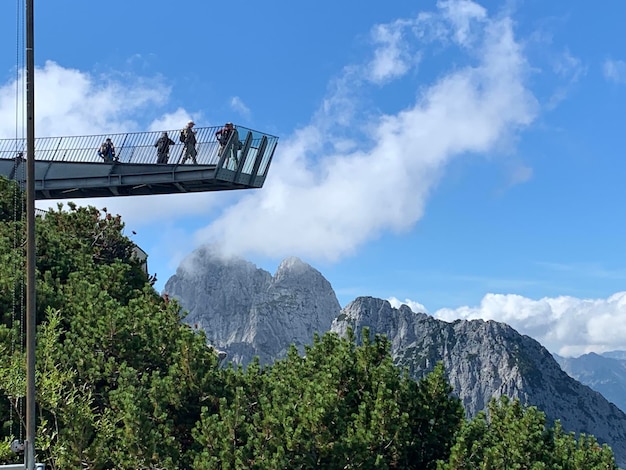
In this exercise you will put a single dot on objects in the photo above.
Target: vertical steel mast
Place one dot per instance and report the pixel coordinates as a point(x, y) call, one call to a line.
point(29, 455)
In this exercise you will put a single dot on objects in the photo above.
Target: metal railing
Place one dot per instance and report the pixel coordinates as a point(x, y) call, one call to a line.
point(139, 147)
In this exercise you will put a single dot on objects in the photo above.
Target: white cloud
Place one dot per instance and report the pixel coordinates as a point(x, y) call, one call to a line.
point(412, 304)
point(174, 120)
point(463, 15)
point(392, 57)
point(569, 69)
point(71, 102)
point(239, 106)
point(320, 203)
point(614, 70)
point(568, 326)
point(518, 174)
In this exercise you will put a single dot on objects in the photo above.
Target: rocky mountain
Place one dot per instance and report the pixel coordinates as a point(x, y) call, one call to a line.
point(605, 373)
point(247, 312)
point(485, 359)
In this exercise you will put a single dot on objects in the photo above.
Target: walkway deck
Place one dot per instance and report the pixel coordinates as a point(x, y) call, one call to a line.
point(70, 168)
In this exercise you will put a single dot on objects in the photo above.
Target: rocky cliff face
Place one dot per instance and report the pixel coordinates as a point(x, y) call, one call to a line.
point(485, 359)
point(604, 374)
point(247, 312)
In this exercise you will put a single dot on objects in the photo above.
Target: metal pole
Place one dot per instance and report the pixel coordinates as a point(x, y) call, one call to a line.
point(30, 240)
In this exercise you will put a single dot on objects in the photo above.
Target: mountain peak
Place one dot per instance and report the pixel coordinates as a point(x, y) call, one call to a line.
point(292, 263)
point(210, 257)
point(247, 312)
point(294, 267)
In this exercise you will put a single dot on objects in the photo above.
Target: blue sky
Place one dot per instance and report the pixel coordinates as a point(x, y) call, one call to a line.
point(465, 158)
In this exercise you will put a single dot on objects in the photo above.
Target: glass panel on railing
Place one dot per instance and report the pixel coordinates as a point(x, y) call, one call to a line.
point(269, 151)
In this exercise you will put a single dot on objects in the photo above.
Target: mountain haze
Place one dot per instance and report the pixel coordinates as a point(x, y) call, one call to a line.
point(621, 355)
point(603, 373)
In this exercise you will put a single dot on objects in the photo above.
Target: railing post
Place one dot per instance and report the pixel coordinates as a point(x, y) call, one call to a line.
point(269, 160)
point(257, 161)
point(57, 149)
point(119, 152)
point(220, 163)
point(243, 155)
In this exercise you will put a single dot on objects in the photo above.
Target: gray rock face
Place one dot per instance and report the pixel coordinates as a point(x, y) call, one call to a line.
point(604, 374)
point(247, 312)
point(485, 359)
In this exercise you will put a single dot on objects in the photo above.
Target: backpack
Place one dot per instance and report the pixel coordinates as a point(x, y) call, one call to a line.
point(106, 151)
point(182, 136)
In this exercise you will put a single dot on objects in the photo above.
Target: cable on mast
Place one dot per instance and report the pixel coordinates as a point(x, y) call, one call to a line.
point(18, 328)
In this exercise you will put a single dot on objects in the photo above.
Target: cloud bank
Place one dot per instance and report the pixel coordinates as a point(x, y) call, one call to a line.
point(565, 325)
point(71, 102)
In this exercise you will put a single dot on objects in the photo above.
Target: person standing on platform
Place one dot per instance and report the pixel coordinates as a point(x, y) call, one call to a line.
point(223, 135)
point(188, 137)
point(107, 151)
point(163, 148)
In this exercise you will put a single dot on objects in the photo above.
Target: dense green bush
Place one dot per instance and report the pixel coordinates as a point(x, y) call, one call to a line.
point(122, 383)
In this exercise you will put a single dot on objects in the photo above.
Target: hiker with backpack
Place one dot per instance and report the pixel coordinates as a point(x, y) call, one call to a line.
point(163, 148)
point(107, 151)
point(188, 137)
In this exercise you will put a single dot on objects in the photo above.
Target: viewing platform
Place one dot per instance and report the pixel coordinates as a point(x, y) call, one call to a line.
point(70, 167)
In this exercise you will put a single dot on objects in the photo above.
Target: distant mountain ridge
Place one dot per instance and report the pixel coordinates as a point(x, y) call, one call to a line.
point(246, 311)
point(621, 355)
point(485, 359)
point(604, 373)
